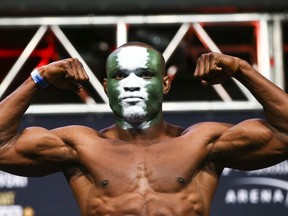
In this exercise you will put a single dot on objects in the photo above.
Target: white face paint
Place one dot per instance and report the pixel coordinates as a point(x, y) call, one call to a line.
point(133, 97)
point(128, 86)
point(131, 58)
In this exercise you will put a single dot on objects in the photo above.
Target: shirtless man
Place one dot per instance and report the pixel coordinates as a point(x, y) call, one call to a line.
point(143, 165)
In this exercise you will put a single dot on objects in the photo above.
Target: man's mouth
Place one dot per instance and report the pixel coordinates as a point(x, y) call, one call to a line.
point(132, 98)
point(128, 97)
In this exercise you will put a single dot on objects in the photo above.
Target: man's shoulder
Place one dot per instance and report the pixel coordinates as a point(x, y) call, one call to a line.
point(208, 127)
point(77, 130)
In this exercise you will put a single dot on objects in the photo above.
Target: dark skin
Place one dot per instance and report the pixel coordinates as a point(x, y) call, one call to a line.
point(162, 169)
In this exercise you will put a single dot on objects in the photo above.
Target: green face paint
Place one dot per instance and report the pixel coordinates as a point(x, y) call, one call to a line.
point(134, 85)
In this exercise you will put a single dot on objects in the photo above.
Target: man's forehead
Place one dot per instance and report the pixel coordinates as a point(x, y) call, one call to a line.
point(132, 57)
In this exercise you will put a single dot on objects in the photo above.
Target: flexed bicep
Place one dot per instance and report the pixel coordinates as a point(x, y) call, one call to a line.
point(251, 144)
point(34, 152)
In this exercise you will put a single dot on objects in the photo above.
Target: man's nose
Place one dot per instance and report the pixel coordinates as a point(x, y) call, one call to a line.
point(131, 88)
point(132, 83)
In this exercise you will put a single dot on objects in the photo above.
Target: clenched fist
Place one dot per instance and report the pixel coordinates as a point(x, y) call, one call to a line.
point(64, 74)
point(215, 68)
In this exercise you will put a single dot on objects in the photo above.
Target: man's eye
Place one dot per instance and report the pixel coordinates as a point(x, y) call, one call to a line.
point(119, 76)
point(146, 75)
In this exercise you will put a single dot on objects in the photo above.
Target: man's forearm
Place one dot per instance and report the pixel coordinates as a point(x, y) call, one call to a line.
point(273, 99)
point(13, 107)
point(63, 74)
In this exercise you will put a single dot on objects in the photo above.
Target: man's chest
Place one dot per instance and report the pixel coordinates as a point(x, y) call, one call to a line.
point(163, 167)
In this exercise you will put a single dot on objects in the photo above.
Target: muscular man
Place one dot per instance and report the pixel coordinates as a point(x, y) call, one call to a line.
point(143, 165)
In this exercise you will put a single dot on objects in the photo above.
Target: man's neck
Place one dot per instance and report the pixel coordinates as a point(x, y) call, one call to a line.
point(144, 136)
point(139, 125)
point(146, 131)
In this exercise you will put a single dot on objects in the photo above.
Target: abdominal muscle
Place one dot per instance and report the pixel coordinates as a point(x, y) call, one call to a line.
point(146, 204)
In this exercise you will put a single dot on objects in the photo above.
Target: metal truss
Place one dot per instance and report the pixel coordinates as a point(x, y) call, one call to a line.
point(269, 46)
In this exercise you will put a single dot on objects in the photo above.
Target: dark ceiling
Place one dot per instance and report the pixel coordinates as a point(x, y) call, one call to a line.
point(56, 7)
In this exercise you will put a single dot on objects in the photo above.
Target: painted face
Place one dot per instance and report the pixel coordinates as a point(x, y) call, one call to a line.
point(134, 84)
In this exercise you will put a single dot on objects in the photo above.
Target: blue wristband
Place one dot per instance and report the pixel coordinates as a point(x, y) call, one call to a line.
point(38, 79)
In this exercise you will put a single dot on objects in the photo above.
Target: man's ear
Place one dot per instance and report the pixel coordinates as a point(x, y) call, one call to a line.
point(105, 85)
point(166, 84)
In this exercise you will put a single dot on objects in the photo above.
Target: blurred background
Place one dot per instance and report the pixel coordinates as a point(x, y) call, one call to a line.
point(34, 33)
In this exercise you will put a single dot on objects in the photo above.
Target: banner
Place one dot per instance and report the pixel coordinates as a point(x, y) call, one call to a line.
point(45, 196)
point(261, 192)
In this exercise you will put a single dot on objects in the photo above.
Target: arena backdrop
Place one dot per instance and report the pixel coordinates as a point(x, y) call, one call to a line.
point(261, 192)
